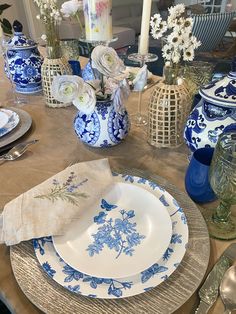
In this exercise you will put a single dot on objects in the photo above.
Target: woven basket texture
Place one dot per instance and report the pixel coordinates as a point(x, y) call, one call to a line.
point(169, 108)
point(51, 68)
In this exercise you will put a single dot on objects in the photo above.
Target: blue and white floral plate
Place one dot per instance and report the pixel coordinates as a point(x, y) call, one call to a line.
point(124, 233)
point(13, 120)
point(86, 285)
point(3, 118)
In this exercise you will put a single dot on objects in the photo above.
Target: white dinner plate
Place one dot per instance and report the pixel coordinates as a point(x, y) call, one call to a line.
point(123, 234)
point(13, 120)
point(3, 118)
point(86, 285)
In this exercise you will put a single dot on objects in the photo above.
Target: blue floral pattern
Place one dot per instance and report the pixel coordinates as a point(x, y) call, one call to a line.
point(25, 68)
point(152, 271)
point(87, 127)
point(118, 125)
point(93, 287)
point(119, 234)
point(12, 122)
point(105, 127)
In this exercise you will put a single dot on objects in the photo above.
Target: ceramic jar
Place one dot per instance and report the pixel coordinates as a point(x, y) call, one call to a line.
point(215, 111)
point(104, 127)
point(24, 62)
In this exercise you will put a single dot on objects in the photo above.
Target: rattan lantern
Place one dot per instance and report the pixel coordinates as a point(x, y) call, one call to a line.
point(51, 68)
point(168, 110)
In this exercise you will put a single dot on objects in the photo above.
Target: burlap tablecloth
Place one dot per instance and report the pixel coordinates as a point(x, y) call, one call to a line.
point(58, 147)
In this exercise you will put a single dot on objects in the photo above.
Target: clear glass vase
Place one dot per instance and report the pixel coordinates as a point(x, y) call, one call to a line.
point(171, 74)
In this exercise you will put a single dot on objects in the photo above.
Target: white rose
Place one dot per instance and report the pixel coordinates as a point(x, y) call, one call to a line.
point(106, 61)
point(65, 88)
point(86, 99)
point(70, 8)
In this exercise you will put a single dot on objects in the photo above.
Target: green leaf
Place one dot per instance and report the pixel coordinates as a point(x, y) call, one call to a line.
point(4, 7)
point(6, 26)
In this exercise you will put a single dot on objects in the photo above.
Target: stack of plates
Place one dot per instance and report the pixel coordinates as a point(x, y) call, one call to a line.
point(128, 243)
point(8, 121)
point(14, 123)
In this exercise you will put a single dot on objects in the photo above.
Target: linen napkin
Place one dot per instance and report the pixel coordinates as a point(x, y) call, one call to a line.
point(51, 206)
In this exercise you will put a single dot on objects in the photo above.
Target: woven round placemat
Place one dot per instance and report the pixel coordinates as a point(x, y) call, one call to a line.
point(50, 297)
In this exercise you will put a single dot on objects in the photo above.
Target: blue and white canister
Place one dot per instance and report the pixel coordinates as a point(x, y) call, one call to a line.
point(106, 126)
point(215, 111)
point(24, 62)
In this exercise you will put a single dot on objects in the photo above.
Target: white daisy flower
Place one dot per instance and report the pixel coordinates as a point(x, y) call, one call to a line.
point(174, 39)
point(176, 56)
point(155, 20)
point(176, 11)
point(188, 54)
point(167, 52)
point(194, 42)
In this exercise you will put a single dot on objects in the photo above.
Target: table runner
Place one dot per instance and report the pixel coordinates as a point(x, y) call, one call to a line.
point(166, 298)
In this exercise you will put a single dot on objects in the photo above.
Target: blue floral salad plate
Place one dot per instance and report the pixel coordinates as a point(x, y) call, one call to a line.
point(121, 235)
point(12, 121)
point(97, 287)
point(3, 118)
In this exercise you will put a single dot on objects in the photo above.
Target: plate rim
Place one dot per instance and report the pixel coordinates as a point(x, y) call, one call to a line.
point(22, 127)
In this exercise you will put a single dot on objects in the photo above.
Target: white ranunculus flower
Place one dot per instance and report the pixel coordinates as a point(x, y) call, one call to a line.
point(65, 88)
point(71, 7)
point(106, 61)
point(86, 99)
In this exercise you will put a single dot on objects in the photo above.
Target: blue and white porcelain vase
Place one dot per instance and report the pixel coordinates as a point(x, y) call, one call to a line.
point(104, 127)
point(24, 62)
point(215, 111)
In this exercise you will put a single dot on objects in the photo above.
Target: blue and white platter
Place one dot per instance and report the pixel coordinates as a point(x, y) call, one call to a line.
point(125, 232)
point(95, 287)
point(12, 121)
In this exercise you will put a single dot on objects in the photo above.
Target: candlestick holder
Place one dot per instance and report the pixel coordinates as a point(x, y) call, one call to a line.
point(138, 118)
point(95, 43)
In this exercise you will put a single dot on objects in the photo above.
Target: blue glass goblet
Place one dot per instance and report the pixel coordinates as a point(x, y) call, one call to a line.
point(197, 182)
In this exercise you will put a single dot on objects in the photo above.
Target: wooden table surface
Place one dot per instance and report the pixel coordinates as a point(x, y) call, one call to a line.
point(58, 147)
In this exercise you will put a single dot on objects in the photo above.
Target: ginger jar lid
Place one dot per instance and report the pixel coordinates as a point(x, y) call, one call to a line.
point(19, 40)
point(222, 92)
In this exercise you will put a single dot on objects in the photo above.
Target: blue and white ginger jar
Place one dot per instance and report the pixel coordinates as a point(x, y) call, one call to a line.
point(24, 62)
point(104, 127)
point(215, 111)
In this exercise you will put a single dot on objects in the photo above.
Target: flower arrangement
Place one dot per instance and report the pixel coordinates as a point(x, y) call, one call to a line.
point(51, 17)
point(72, 9)
point(179, 43)
point(106, 85)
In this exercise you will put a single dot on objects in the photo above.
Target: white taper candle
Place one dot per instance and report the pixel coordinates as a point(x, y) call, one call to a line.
point(144, 37)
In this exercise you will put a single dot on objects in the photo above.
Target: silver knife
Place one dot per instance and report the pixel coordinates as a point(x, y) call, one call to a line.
point(210, 289)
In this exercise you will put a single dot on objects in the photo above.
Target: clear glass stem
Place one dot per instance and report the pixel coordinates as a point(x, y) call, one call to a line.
point(222, 212)
point(140, 93)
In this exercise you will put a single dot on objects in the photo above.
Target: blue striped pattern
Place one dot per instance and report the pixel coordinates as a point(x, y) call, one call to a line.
point(211, 28)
